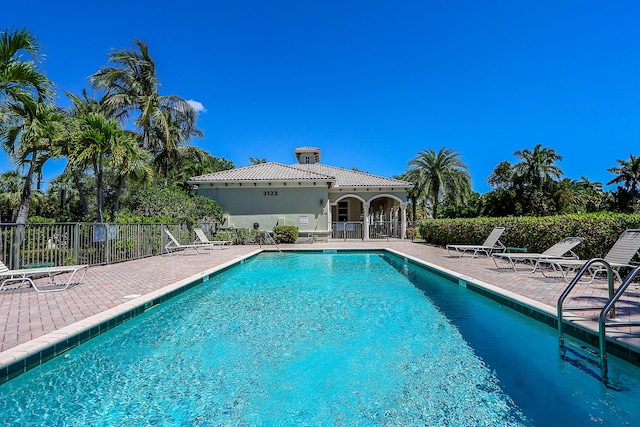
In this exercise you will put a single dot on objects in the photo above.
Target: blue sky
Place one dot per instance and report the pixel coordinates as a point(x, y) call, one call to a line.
point(373, 82)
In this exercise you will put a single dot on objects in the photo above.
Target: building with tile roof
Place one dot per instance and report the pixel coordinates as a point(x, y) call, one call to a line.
point(321, 200)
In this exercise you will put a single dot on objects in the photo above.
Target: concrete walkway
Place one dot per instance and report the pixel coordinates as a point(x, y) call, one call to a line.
point(26, 315)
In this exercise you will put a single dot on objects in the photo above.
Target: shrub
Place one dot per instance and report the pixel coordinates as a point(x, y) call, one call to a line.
point(239, 236)
point(411, 233)
point(537, 234)
point(285, 233)
point(169, 204)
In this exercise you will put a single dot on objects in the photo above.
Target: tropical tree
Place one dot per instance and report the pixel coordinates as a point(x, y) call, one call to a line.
point(82, 105)
point(534, 174)
point(586, 195)
point(538, 165)
point(413, 194)
point(131, 163)
point(19, 72)
point(33, 127)
point(167, 152)
point(257, 160)
point(628, 173)
point(131, 87)
point(101, 142)
point(11, 183)
point(440, 174)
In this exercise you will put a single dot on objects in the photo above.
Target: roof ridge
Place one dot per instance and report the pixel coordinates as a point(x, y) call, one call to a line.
point(352, 171)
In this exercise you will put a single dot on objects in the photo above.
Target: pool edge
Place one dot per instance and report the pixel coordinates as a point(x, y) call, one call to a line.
point(586, 331)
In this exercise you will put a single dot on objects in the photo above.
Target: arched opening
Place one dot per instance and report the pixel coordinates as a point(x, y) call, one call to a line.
point(382, 217)
point(347, 216)
point(387, 217)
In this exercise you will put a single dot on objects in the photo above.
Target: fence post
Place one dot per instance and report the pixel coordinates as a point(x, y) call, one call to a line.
point(107, 249)
point(76, 242)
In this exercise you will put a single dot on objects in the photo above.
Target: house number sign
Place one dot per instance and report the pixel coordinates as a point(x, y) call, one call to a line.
point(270, 193)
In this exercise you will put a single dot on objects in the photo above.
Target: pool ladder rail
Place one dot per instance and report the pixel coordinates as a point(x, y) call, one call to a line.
point(264, 237)
point(606, 318)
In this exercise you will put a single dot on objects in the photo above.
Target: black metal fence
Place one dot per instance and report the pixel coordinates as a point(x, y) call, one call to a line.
point(85, 243)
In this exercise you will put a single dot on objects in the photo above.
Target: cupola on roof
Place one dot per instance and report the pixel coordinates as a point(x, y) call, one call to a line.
point(307, 155)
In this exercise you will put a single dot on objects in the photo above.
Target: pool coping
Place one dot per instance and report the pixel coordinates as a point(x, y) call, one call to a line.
point(19, 359)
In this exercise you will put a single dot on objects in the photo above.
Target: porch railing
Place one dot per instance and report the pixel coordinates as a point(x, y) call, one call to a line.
point(85, 243)
point(346, 230)
point(377, 230)
point(385, 230)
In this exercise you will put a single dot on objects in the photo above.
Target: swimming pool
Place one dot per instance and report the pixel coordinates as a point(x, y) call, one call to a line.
point(322, 339)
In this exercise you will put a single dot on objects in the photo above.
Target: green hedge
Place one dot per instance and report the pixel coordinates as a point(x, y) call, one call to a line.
point(285, 233)
point(537, 234)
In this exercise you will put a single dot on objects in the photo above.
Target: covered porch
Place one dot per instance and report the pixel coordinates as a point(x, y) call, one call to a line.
point(383, 216)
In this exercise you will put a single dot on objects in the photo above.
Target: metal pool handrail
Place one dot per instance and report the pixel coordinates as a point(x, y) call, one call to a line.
point(602, 319)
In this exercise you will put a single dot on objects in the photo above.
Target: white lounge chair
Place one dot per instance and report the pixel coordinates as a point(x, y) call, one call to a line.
point(175, 246)
point(618, 257)
point(561, 250)
point(491, 244)
point(202, 239)
point(29, 274)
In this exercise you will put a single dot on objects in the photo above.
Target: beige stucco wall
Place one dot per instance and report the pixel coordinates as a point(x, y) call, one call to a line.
point(271, 205)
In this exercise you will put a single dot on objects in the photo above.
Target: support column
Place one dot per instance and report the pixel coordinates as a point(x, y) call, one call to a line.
point(403, 231)
point(396, 220)
point(365, 232)
point(329, 219)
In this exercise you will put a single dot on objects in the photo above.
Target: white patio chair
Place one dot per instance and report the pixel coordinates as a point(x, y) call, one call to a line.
point(618, 257)
point(491, 244)
point(202, 239)
point(561, 250)
point(175, 246)
point(29, 274)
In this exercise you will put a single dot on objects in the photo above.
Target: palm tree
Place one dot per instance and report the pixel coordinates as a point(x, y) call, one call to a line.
point(132, 86)
point(628, 173)
point(97, 141)
point(17, 73)
point(414, 193)
point(34, 126)
point(82, 105)
point(436, 175)
point(587, 194)
point(10, 184)
point(168, 151)
point(538, 165)
point(131, 163)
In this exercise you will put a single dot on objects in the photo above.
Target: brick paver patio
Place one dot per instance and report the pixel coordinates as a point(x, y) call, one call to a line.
point(26, 314)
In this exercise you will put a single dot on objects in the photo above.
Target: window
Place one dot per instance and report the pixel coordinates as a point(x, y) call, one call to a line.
point(343, 211)
point(307, 159)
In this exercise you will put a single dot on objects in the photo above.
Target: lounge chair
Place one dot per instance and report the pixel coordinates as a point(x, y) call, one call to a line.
point(29, 274)
point(561, 250)
point(175, 246)
point(491, 244)
point(202, 239)
point(618, 257)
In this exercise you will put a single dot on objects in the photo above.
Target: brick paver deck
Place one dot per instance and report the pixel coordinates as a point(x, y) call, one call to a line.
point(26, 315)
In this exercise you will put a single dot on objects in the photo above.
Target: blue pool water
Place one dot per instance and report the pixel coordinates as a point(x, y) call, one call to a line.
point(322, 339)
